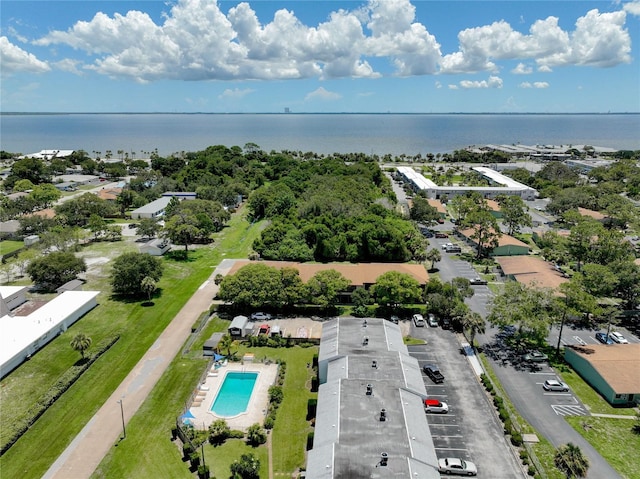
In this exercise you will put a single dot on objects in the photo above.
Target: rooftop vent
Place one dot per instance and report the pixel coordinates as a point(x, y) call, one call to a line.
point(383, 414)
point(369, 389)
point(365, 340)
point(374, 364)
point(364, 323)
point(384, 457)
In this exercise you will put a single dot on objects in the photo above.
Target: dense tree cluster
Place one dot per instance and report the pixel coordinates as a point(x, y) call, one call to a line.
point(327, 210)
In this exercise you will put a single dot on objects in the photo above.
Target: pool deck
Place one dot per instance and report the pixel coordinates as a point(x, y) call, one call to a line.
point(258, 404)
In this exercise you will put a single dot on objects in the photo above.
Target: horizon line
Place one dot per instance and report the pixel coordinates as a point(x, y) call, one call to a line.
point(307, 113)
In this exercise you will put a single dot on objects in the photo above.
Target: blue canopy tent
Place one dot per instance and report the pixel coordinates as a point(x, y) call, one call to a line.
point(217, 357)
point(187, 416)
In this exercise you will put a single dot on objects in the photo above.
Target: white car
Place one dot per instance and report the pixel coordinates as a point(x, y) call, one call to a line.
point(618, 338)
point(455, 465)
point(555, 385)
point(418, 320)
point(435, 406)
point(447, 245)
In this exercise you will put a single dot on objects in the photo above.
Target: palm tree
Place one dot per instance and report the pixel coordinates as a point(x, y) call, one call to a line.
point(81, 342)
point(149, 286)
point(474, 323)
point(226, 342)
point(570, 460)
point(433, 255)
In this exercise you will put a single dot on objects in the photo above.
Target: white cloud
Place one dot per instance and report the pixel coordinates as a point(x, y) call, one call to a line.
point(235, 93)
point(522, 69)
point(69, 65)
point(438, 85)
point(599, 40)
point(492, 82)
point(545, 69)
point(632, 8)
point(453, 87)
point(537, 84)
point(322, 94)
point(14, 59)
point(196, 40)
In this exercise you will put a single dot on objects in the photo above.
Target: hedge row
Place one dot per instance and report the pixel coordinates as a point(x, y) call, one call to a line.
point(512, 432)
point(275, 396)
point(50, 396)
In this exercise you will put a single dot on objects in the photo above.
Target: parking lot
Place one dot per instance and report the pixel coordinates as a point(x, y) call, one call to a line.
point(471, 429)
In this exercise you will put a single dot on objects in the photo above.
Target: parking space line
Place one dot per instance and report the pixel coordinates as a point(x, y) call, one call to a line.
point(447, 437)
point(558, 394)
point(450, 449)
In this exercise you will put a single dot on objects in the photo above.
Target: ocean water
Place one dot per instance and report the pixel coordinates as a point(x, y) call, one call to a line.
point(380, 134)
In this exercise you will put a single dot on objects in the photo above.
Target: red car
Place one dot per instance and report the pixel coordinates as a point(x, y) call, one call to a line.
point(442, 235)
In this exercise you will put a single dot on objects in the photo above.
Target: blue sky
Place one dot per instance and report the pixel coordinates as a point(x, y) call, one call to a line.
point(320, 56)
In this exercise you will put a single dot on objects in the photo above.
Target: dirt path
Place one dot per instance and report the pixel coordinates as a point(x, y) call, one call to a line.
point(84, 454)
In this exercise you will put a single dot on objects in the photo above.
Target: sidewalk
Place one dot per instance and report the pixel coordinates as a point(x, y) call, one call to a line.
point(84, 454)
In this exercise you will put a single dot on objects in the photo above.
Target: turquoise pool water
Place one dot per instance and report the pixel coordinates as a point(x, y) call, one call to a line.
point(234, 394)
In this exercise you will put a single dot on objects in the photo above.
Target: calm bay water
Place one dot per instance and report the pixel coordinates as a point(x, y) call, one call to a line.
point(321, 133)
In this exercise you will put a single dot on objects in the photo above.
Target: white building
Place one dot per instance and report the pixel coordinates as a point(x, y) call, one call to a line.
point(500, 185)
point(155, 209)
point(23, 336)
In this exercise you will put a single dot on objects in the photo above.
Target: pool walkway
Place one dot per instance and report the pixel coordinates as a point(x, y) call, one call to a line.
point(81, 458)
point(258, 404)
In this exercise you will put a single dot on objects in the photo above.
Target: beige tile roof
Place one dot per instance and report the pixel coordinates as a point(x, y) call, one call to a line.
point(596, 215)
point(493, 205)
point(358, 273)
point(619, 364)
point(531, 270)
point(109, 194)
point(437, 204)
point(504, 240)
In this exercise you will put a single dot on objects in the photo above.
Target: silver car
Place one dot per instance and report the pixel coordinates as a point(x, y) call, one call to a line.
point(555, 385)
point(455, 465)
point(618, 338)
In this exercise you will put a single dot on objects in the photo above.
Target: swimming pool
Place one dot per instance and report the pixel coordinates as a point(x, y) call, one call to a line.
point(234, 394)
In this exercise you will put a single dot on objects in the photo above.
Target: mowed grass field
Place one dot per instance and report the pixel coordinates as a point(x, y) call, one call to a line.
point(149, 452)
point(138, 327)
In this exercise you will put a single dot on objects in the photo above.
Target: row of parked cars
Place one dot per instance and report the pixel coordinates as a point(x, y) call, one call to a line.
point(611, 338)
point(420, 322)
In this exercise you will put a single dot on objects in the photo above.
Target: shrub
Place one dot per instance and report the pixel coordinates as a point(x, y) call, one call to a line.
point(275, 394)
point(312, 405)
point(236, 434)
point(269, 422)
point(187, 450)
point(219, 432)
point(310, 441)
point(256, 435)
point(516, 439)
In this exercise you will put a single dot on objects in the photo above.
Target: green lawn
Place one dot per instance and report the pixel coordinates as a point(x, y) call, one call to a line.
point(614, 440)
point(138, 327)
point(9, 246)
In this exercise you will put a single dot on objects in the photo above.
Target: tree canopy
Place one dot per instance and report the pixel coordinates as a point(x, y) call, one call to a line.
point(129, 273)
point(55, 269)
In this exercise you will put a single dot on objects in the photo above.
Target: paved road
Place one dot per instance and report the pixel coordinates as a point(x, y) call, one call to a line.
point(542, 411)
point(86, 451)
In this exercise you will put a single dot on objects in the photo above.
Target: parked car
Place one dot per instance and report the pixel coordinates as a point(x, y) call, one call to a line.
point(455, 465)
point(445, 323)
point(418, 320)
point(535, 357)
point(434, 373)
point(447, 245)
point(432, 320)
point(442, 235)
point(394, 319)
point(264, 329)
point(618, 338)
point(453, 249)
point(434, 406)
point(259, 316)
point(554, 385)
point(604, 338)
point(478, 280)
